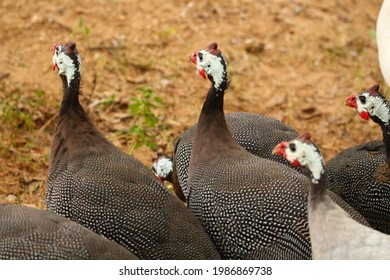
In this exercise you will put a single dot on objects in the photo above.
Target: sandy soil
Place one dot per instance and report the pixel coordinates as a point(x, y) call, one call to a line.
point(296, 61)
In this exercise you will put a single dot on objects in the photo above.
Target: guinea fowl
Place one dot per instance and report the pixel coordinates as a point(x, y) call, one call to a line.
point(28, 233)
point(97, 185)
point(361, 175)
point(333, 233)
point(164, 169)
point(253, 208)
point(247, 129)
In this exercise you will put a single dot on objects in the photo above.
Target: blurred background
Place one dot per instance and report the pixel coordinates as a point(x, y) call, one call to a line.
point(296, 61)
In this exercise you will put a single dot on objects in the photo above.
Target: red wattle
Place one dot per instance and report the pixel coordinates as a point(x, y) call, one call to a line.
point(203, 73)
point(364, 115)
point(295, 163)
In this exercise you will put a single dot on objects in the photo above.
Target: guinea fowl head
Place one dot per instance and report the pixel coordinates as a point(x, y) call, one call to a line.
point(212, 64)
point(302, 152)
point(163, 166)
point(67, 60)
point(370, 104)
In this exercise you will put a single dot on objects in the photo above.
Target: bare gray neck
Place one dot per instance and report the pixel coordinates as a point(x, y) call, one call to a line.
point(317, 191)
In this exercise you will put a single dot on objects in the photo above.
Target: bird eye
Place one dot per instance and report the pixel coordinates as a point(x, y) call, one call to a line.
point(200, 55)
point(292, 147)
point(362, 99)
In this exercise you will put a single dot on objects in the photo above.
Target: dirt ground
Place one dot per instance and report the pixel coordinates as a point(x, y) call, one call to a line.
point(296, 61)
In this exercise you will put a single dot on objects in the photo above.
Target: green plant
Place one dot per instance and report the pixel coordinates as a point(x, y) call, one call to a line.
point(167, 32)
point(144, 129)
point(19, 110)
point(372, 34)
point(81, 29)
point(166, 35)
point(108, 101)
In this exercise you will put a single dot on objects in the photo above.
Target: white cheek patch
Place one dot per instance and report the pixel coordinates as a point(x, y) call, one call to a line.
point(375, 106)
point(163, 167)
point(378, 107)
point(360, 107)
point(308, 156)
point(213, 66)
point(66, 66)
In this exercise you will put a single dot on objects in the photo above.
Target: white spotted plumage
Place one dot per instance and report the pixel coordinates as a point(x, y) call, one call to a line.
point(93, 182)
point(251, 207)
point(330, 225)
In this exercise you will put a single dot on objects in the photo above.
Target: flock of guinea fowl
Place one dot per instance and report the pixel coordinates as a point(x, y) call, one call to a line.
point(246, 186)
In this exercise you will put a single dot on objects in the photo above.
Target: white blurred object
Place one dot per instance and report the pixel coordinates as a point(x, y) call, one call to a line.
point(383, 40)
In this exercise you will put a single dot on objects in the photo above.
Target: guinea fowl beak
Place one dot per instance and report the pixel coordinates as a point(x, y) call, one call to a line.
point(193, 57)
point(195, 61)
point(53, 49)
point(157, 176)
point(351, 101)
point(280, 149)
point(160, 178)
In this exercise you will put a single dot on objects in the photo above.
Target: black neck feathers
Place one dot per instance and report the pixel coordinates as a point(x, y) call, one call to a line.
point(385, 127)
point(212, 126)
point(74, 128)
point(213, 104)
point(176, 185)
point(71, 91)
